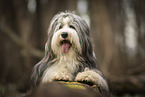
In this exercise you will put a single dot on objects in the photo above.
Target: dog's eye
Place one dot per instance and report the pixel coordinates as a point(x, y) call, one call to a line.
point(72, 27)
point(60, 27)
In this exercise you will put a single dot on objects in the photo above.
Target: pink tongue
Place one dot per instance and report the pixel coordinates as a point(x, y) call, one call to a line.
point(65, 47)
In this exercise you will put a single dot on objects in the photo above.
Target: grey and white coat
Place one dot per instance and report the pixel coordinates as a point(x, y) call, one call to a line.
point(69, 54)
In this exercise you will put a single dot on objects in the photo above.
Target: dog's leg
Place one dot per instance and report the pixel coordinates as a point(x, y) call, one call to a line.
point(57, 75)
point(92, 77)
point(62, 75)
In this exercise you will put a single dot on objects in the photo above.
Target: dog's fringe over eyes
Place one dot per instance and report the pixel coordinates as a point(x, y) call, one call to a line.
point(69, 54)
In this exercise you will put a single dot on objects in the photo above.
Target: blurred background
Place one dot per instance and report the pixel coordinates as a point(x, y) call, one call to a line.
point(118, 36)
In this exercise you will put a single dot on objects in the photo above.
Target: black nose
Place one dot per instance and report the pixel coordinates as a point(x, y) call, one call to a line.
point(64, 34)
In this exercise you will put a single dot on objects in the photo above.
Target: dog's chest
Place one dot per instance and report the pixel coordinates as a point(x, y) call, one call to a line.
point(67, 63)
point(64, 65)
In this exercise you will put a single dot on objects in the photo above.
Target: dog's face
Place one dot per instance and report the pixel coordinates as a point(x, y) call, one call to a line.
point(65, 39)
point(68, 33)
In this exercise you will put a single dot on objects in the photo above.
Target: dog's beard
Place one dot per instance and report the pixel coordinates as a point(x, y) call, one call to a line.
point(67, 45)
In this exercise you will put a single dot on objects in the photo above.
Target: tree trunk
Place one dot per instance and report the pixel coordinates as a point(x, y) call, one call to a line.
point(110, 19)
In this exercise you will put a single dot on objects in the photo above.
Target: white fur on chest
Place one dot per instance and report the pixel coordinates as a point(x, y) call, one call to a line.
point(63, 69)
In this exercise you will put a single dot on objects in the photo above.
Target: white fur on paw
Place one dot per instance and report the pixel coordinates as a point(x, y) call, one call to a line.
point(62, 76)
point(93, 77)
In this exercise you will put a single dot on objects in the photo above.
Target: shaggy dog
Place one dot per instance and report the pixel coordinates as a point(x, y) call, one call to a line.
point(69, 55)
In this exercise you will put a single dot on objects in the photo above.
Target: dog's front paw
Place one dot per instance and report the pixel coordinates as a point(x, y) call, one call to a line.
point(62, 76)
point(92, 78)
point(86, 77)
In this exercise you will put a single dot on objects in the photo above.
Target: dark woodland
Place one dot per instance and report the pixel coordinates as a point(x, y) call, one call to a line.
point(117, 31)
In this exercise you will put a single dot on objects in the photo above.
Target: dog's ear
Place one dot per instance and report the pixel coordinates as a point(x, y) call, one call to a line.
point(37, 73)
point(35, 77)
point(84, 33)
point(85, 41)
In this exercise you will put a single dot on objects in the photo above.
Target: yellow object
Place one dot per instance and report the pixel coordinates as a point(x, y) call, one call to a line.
point(74, 85)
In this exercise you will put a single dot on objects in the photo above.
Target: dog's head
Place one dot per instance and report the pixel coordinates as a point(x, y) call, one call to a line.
point(68, 33)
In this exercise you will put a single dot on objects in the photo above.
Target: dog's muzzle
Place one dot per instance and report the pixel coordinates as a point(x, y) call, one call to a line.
point(65, 42)
point(64, 35)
